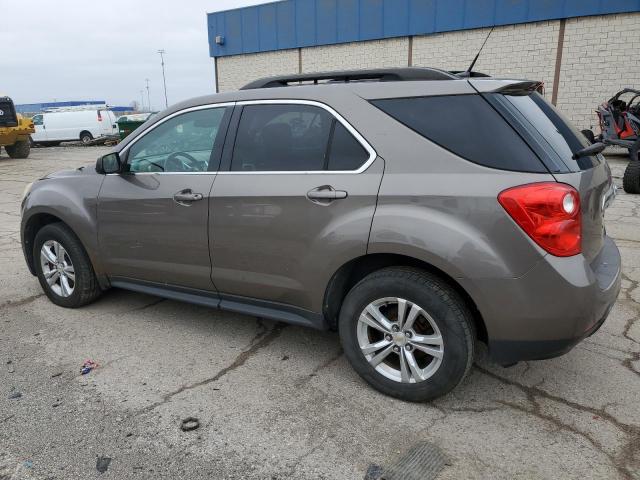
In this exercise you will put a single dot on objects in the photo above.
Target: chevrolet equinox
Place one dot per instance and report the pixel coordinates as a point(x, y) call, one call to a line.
point(413, 210)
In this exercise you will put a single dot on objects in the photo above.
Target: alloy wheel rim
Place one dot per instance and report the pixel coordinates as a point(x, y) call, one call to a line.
point(400, 340)
point(57, 268)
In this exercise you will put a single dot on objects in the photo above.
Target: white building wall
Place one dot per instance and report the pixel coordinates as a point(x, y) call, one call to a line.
point(601, 56)
point(238, 70)
point(515, 51)
point(392, 52)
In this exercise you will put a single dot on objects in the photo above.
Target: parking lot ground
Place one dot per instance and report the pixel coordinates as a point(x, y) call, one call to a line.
point(280, 402)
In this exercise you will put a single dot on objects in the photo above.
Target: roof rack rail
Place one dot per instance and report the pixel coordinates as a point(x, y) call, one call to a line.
point(381, 75)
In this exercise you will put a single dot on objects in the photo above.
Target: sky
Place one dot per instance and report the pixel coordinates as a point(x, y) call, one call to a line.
point(56, 50)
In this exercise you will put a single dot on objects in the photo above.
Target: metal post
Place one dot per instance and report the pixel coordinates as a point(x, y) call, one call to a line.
point(164, 80)
point(148, 97)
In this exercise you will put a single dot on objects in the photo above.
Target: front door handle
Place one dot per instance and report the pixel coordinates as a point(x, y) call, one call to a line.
point(186, 197)
point(325, 194)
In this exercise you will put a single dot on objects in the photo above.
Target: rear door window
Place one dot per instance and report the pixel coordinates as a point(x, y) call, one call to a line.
point(281, 137)
point(468, 126)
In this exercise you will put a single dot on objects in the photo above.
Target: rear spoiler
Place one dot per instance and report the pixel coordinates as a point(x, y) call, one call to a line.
point(506, 87)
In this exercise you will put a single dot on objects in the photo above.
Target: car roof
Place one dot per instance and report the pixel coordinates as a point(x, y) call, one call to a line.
point(333, 93)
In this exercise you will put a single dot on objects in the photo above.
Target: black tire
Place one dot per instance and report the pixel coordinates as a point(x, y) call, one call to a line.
point(86, 137)
point(631, 177)
point(590, 136)
point(634, 151)
point(85, 288)
point(446, 308)
point(20, 149)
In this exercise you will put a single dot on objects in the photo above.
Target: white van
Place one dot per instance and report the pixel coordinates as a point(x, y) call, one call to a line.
point(68, 125)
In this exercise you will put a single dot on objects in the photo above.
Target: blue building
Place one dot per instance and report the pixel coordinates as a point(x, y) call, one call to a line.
point(565, 43)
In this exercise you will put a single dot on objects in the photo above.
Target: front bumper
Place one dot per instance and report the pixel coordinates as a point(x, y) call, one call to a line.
point(547, 311)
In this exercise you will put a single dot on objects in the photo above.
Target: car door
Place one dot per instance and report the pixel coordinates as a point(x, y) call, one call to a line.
point(294, 203)
point(153, 217)
point(40, 134)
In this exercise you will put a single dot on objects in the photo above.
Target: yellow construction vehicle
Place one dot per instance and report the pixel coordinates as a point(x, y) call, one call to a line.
point(14, 130)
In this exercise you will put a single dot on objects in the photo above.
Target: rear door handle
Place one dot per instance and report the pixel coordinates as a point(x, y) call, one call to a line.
point(325, 194)
point(186, 197)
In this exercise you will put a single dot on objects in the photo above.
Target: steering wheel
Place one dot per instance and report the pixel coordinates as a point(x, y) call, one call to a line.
point(180, 162)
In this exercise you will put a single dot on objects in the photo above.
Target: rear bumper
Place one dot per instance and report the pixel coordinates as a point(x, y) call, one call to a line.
point(546, 312)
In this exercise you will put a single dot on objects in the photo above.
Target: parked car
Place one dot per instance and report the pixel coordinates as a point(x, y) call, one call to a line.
point(412, 210)
point(65, 125)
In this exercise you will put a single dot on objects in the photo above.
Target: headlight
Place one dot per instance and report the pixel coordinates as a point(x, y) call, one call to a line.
point(26, 190)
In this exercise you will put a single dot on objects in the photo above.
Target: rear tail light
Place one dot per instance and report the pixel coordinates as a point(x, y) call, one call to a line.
point(99, 116)
point(549, 213)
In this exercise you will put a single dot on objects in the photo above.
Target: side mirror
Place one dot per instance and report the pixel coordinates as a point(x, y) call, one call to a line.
point(109, 164)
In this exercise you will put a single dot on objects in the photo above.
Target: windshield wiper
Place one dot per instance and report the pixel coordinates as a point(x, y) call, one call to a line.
point(594, 149)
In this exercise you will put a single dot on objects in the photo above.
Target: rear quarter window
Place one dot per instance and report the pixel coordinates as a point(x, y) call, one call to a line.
point(468, 126)
point(553, 128)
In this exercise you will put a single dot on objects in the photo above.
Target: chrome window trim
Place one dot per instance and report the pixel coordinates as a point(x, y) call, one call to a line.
point(369, 149)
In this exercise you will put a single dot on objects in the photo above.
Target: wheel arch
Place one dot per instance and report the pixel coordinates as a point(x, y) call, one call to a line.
point(83, 132)
point(356, 269)
point(34, 223)
point(31, 228)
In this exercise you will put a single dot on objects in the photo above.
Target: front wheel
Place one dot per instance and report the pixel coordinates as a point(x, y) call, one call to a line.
point(19, 149)
point(407, 333)
point(63, 267)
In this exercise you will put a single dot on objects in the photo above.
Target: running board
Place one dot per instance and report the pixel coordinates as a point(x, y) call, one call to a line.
point(231, 303)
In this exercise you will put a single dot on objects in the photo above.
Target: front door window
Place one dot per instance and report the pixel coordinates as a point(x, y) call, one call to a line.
point(181, 144)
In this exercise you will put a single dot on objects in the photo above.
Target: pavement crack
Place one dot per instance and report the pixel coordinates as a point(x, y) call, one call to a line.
point(148, 305)
point(261, 340)
point(322, 366)
point(23, 301)
point(623, 461)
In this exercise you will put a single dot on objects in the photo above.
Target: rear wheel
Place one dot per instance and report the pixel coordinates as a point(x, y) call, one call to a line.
point(63, 267)
point(407, 333)
point(631, 177)
point(86, 137)
point(20, 149)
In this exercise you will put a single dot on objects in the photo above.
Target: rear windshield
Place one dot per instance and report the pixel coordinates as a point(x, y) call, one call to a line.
point(553, 128)
point(468, 126)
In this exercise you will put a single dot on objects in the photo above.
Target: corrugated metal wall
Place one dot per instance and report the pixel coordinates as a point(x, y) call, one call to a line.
point(304, 23)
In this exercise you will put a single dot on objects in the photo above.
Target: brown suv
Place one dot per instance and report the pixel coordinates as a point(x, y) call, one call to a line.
point(413, 210)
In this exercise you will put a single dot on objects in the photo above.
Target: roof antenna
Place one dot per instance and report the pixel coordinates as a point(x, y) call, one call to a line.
point(467, 73)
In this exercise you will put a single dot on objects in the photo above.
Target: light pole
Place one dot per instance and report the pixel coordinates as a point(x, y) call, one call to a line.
point(148, 97)
point(164, 80)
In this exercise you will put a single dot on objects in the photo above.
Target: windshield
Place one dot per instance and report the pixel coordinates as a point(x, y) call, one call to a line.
point(554, 128)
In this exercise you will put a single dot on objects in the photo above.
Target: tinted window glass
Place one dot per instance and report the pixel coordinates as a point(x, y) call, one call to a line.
point(281, 138)
point(556, 130)
point(346, 153)
point(467, 126)
point(37, 120)
point(181, 144)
